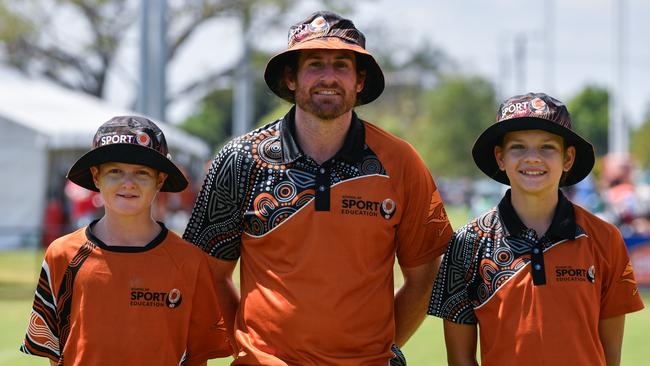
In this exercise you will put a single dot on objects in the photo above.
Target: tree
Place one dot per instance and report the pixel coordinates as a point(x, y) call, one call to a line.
point(212, 119)
point(456, 112)
point(640, 149)
point(35, 38)
point(589, 113)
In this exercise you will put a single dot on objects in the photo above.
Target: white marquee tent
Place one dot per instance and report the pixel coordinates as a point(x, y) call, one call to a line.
point(43, 129)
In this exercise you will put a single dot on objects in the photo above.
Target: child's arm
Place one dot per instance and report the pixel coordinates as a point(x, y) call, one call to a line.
point(611, 337)
point(52, 363)
point(461, 341)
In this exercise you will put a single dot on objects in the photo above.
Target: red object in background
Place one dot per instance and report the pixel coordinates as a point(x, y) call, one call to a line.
point(53, 222)
point(83, 204)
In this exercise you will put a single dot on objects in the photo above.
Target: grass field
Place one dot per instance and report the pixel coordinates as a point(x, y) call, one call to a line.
point(19, 269)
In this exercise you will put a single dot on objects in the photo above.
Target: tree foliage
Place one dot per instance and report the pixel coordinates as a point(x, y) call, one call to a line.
point(212, 120)
point(456, 112)
point(35, 38)
point(589, 113)
point(640, 148)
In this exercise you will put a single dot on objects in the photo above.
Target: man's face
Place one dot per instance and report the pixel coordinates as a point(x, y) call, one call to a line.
point(326, 82)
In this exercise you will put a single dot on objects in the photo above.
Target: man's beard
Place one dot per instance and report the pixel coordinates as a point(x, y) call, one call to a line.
point(330, 107)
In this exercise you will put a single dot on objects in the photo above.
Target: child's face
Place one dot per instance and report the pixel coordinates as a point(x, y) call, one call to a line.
point(127, 189)
point(534, 161)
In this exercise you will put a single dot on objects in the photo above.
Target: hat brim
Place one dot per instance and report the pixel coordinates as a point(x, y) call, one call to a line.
point(80, 174)
point(483, 150)
point(374, 83)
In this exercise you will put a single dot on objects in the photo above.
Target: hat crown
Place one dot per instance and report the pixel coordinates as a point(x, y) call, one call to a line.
point(325, 24)
point(535, 105)
point(131, 130)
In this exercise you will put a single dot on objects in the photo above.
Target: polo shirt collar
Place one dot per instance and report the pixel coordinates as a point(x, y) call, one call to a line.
point(563, 225)
point(353, 146)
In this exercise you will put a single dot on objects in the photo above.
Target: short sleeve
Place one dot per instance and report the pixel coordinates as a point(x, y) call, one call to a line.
point(216, 223)
point(42, 338)
point(424, 229)
point(207, 336)
point(620, 294)
point(449, 298)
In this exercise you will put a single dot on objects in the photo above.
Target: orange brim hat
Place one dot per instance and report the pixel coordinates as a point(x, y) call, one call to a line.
point(325, 30)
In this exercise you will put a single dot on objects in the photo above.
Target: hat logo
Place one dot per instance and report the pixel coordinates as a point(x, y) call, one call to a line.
point(318, 25)
point(143, 139)
point(304, 32)
point(538, 105)
point(514, 109)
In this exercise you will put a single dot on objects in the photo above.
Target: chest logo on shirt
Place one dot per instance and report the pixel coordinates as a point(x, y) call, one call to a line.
point(151, 298)
point(575, 274)
point(356, 206)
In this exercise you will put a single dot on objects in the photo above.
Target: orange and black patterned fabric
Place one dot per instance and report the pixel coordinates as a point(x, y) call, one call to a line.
point(537, 301)
point(318, 242)
point(110, 305)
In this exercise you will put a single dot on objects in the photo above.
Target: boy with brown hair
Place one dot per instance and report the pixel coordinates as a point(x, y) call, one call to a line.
point(548, 282)
point(125, 290)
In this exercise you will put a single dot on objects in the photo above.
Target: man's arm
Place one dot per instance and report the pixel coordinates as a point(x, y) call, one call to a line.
point(460, 341)
point(228, 295)
point(412, 299)
point(611, 337)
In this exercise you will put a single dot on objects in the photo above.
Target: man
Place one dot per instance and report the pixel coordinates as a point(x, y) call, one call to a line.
point(318, 204)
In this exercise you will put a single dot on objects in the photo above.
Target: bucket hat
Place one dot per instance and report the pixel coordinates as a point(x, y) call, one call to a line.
point(532, 111)
point(131, 140)
point(329, 31)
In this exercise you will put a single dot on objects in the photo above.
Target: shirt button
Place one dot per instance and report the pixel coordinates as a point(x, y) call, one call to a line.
point(538, 267)
point(535, 250)
point(321, 188)
point(322, 170)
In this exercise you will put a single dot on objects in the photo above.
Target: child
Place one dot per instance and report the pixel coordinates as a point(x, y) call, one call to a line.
point(124, 290)
point(548, 282)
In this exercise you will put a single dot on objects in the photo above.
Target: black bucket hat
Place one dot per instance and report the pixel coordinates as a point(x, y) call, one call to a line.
point(329, 31)
point(532, 111)
point(131, 140)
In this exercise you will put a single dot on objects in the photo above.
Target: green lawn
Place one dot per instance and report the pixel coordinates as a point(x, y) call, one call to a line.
point(19, 269)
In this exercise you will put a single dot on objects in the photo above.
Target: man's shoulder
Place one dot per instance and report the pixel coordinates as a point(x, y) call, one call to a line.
point(243, 144)
point(378, 136)
point(396, 154)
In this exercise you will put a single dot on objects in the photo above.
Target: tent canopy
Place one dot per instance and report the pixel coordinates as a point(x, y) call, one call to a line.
point(69, 119)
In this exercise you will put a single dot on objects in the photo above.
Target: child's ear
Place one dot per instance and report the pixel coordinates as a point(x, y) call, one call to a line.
point(498, 156)
point(94, 171)
point(161, 179)
point(569, 158)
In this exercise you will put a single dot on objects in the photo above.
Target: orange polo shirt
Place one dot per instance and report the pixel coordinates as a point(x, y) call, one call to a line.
point(318, 242)
point(110, 305)
point(536, 311)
